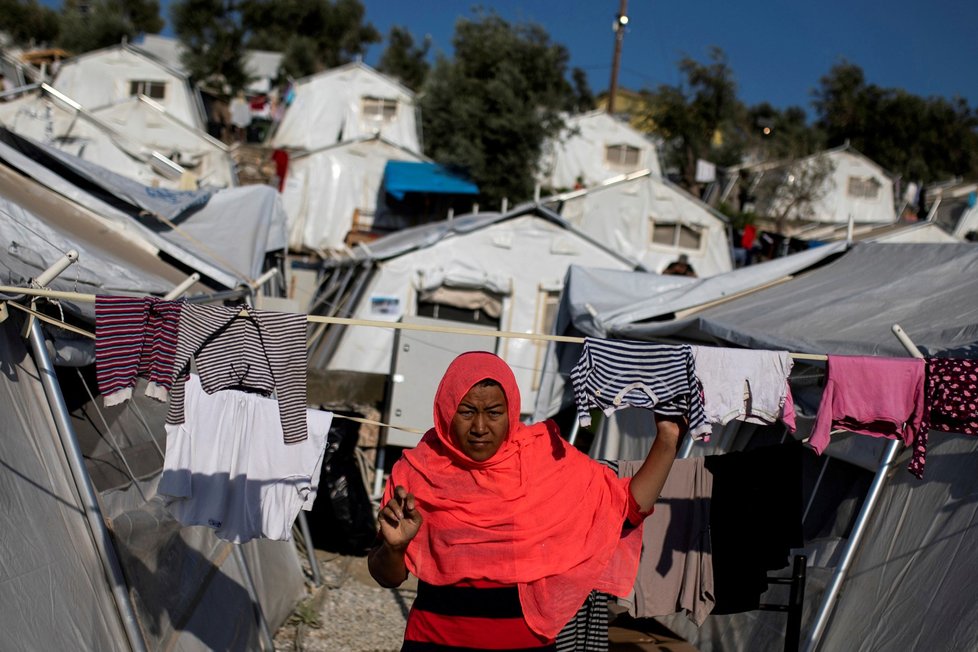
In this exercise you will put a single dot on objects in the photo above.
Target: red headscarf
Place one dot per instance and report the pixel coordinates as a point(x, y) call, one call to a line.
point(538, 513)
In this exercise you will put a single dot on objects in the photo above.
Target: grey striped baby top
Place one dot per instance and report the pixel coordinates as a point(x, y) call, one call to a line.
point(263, 352)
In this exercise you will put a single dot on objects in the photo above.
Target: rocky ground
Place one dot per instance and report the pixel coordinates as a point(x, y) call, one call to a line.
point(349, 612)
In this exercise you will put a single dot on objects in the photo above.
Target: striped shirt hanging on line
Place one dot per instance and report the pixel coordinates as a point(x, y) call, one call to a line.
point(614, 374)
point(135, 337)
point(263, 351)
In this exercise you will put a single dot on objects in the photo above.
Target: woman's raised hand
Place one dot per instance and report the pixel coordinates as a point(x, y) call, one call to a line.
point(399, 519)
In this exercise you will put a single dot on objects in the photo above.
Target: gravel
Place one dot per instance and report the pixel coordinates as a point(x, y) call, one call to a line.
point(349, 613)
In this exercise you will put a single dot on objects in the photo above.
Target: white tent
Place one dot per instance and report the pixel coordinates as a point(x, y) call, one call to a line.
point(512, 265)
point(135, 137)
point(857, 188)
point(327, 192)
point(349, 103)
point(147, 122)
point(651, 221)
point(101, 77)
point(593, 148)
point(898, 232)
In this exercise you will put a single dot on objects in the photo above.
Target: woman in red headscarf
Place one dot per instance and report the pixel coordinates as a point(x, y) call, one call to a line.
point(507, 527)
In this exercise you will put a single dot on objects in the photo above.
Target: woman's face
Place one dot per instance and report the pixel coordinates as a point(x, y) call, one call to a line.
point(481, 423)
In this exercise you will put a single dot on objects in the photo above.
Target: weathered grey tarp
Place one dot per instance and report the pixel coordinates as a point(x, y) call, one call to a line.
point(170, 204)
point(53, 591)
point(846, 307)
point(223, 235)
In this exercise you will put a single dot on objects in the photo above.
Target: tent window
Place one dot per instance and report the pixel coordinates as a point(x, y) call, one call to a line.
point(459, 304)
point(863, 187)
point(152, 89)
point(682, 236)
point(621, 156)
point(379, 109)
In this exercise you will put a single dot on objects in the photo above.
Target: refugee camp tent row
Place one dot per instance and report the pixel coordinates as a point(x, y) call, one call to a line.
point(92, 557)
point(134, 137)
point(887, 552)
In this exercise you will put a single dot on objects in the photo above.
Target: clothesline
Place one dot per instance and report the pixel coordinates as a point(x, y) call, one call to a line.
point(322, 319)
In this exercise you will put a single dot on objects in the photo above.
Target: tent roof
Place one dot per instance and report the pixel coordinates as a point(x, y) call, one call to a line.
point(846, 307)
point(402, 177)
point(426, 235)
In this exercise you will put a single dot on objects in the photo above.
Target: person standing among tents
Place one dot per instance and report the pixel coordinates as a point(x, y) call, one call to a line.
point(504, 521)
point(240, 117)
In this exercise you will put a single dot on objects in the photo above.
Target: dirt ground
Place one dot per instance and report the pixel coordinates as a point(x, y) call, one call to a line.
point(351, 613)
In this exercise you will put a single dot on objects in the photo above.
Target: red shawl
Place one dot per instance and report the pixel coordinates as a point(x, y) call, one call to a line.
point(538, 513)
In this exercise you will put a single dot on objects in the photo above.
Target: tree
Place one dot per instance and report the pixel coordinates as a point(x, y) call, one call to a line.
point(583, 99)
point(489, 109)
point(790, 191)
point(699, 119)
point(921, 139)
point(313, 34)
point(27, 22)
point(86, 26)
point(403, 60)
point(212, 33)
point(777, 134)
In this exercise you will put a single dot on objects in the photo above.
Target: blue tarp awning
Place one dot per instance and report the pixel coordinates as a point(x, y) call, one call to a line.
point(402, 177)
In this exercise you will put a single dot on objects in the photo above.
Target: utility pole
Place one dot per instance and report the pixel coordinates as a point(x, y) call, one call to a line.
point(620, 21)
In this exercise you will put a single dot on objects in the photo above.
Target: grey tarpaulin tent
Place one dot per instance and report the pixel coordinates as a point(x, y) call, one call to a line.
point(909, 584)
point(58, 588)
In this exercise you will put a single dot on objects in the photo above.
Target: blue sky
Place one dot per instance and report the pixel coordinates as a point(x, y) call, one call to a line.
point(777, 50)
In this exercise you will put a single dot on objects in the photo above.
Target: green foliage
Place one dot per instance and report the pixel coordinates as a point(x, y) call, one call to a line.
point(489, 109)
point(403, 60)
point(583, 99)
point(313, 34)
point(86, 26)
point(699, 119)
point(928, 139)
point(27, 22)
point(213, 36)
point(307, 614)
point(775, 134)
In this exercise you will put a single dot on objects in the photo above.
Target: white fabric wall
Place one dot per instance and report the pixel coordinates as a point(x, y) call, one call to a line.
point(141, 129)
point(102, 77)
point(524, 253)
point(620, 216)
point(581, 152)
point(208, 159)
point(328, 109)
point(836, 205)
point(323, 189)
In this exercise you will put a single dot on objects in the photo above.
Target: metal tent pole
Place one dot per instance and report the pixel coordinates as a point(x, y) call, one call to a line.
point(310, 551)
point(859, 528)
point(86, 490)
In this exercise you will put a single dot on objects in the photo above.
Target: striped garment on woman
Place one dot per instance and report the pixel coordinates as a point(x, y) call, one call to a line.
point(263, 351)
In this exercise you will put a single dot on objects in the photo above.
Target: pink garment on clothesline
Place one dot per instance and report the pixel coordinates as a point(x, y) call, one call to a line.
point(882, 397)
